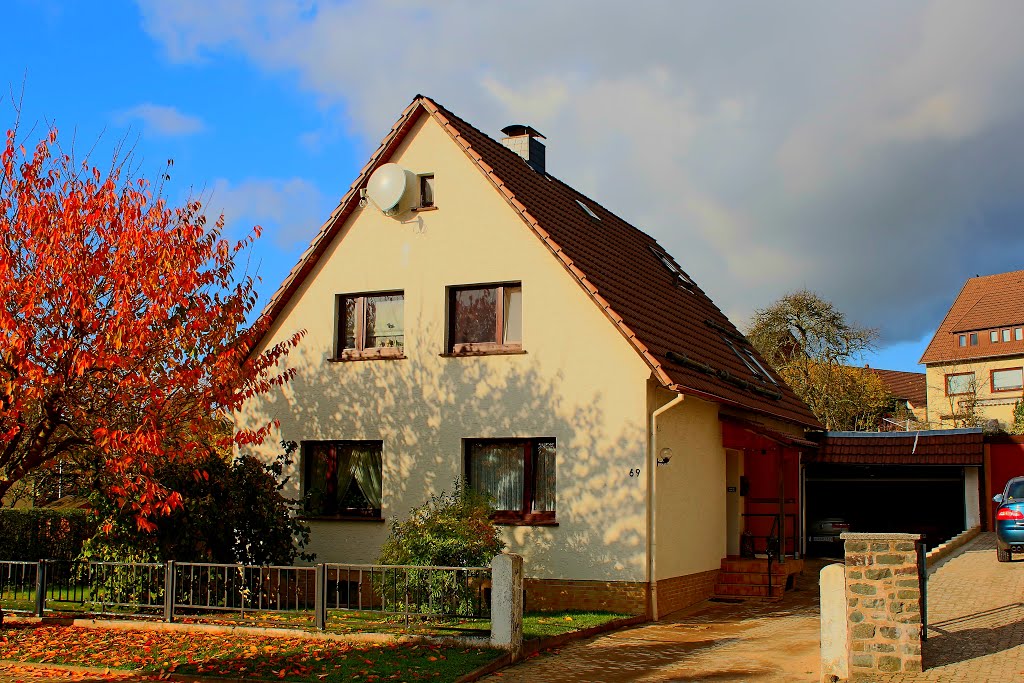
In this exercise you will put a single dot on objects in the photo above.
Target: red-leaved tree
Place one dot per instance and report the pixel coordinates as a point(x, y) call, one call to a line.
point(123, 335)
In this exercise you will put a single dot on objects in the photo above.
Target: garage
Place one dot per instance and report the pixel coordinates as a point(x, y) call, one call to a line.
point(910, 482)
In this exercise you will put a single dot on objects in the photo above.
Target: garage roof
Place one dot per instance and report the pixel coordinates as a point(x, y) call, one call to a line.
point(935, 447)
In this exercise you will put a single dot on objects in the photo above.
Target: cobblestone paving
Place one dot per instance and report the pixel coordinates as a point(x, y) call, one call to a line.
point(975, 620)
point(721, 642)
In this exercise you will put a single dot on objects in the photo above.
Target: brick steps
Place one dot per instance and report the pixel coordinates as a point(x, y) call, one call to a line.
point(748, 579)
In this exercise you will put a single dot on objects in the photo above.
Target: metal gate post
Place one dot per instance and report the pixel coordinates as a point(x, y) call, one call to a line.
point(320, 599)
point(169, 590)
point(40, 588)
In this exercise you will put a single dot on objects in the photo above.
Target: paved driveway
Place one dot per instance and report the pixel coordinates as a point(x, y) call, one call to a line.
point(976, 619)
point(721, 642)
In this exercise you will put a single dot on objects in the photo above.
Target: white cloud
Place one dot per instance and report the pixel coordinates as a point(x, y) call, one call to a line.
point(289, 211)
point(872, 151)
point(162, 120)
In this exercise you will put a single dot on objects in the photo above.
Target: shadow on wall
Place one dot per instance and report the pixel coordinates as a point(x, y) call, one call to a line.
point(422, 407)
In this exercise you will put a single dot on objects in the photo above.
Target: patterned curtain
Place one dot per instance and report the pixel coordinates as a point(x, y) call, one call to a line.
point(497, 470)
point(366, 466)
point(544, 478)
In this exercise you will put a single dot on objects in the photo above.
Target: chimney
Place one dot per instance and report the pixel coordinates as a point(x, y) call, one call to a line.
point(526, 142)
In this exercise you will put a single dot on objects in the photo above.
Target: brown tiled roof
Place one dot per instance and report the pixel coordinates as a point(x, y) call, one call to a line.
point(910, 386)
point(992, 302)
point(678, 331)
point(949, 447)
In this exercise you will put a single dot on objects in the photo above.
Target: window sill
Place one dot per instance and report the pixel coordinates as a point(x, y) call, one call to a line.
point(491, 350)
point(420, 209)
point(350, 356)
point(524, 522)
point(340, 518)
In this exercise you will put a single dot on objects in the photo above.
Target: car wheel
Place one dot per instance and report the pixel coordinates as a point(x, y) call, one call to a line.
point(1002, 555)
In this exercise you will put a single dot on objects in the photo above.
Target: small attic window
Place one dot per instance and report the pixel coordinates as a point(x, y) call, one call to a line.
point(755, 361)
point(426, 191)
point(590, 212)
point(666, 260)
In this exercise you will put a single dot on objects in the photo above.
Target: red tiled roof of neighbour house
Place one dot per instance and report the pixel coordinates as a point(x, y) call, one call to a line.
point(991, 302)
point(910, 386)
point(937, 447)
point(678, 331)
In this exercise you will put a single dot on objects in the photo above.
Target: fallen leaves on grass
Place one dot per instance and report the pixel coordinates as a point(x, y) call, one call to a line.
point(238, 656)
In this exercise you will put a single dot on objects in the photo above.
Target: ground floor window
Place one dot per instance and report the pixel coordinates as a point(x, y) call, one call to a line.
point(518, 474)
point(342, 479)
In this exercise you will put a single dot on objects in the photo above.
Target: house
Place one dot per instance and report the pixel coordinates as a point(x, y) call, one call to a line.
point(974, 362)
point(492, 323)
point(909, 389)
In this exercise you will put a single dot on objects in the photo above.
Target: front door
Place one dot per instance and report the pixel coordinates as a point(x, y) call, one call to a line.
point(733, 501)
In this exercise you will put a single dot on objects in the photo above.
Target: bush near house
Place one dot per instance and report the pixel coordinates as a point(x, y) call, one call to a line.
point(30, 534)
point(449, 530)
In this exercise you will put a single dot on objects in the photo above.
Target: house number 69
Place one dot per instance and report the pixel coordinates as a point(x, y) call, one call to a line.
point(634, 472)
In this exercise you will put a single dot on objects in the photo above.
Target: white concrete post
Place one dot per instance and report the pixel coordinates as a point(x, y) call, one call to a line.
point(507, 603)
point(835, 665)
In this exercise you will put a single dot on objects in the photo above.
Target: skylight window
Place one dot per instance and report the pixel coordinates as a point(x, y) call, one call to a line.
point(590, 212)
point(666, 260)
point(756, 362)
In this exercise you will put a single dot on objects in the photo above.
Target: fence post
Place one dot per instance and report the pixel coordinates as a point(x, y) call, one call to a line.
point(169, 591)
point(507, 603)
point(40, 588)
point(320, 600)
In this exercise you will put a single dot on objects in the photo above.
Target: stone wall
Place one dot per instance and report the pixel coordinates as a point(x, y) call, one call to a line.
point(884, 601)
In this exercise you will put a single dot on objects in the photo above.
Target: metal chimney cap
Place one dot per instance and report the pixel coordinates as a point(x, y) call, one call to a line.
point(517, 129)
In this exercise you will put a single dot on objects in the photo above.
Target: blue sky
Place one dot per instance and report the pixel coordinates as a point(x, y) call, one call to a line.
point(870, 152)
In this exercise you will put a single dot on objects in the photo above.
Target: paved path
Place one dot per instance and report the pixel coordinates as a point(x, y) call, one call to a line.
point(975, 620)
point(720, 642)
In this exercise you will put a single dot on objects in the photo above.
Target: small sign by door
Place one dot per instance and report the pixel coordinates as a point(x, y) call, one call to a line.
point(730, 489)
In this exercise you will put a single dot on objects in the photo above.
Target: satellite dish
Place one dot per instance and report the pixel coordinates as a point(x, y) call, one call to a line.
point(386, 187)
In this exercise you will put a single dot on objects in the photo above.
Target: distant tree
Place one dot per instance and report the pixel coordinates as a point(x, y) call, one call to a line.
point(815, 348)
point(123, 326)
point(1018, 418)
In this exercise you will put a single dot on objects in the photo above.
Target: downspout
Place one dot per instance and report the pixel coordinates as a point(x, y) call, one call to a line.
point(652, 464)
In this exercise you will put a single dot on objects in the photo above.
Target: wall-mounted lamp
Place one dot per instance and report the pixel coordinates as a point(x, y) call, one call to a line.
point(664, 456)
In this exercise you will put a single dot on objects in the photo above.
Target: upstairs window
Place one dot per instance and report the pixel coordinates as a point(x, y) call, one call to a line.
point(683, 280)
point(1006, 335)
point(517, 474)
point(963, 340)
point(342, 479)
point(426, 191)
point(960, 383)
point(993, 336)
point(485, 319)
point(1018, 334)
point(1010, 379)
point(371, 326)
point(974, 338)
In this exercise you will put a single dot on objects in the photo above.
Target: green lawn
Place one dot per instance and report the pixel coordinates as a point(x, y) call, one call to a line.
point(239, 656)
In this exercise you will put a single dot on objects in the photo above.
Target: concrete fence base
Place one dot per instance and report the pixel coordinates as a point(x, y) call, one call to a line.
point(507, 603)
point(835, 663)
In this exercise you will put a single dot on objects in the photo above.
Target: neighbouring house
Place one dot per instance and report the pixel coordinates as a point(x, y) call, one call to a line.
point(974, 362)
point(491, 323)
point(910, 391)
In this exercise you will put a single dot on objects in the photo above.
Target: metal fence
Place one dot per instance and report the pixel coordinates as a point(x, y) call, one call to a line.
point(195, 588)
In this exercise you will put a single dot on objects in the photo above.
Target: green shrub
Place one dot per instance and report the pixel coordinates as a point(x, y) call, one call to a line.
point(449, 530)
point(30, 534)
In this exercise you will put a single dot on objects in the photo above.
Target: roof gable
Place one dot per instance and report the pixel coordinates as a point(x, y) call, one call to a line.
point(689, 344)
point(984, 303)
point(909, 386)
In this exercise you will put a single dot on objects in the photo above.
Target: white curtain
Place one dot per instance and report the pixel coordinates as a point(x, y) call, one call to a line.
point(497, 470)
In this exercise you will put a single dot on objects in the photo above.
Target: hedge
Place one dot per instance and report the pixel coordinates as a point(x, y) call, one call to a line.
point(31, 534)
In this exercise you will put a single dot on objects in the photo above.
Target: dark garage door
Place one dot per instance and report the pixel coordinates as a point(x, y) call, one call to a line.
point(886, 498)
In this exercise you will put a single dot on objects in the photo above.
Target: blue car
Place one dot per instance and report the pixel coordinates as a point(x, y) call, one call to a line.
point(1010, 520)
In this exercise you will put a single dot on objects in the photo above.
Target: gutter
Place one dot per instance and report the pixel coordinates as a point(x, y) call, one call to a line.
point(652, 464)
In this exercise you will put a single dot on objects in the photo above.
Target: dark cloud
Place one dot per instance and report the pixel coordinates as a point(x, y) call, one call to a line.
point(870, 151)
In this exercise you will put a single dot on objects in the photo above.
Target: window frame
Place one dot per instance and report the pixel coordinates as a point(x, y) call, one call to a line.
point(974, 338)
point(496, 347)
point(682, 279)
point(362, 352)
point(368, 514)
point(1018, 334)
point(992, 380)
point(957, 374)
point(993, 336)
point(427, 180)
point(1005, 335)
point(525, 516)
point(962, 340)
